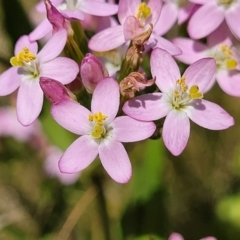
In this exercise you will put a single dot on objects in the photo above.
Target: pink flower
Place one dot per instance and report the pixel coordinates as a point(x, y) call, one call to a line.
point(220, 47)
point(177, 236)
point(102, 132)
point(213, 12)
point(180, 99)
point(52, 169)
point(28, 67)
point(135, 18)
point(173, 11)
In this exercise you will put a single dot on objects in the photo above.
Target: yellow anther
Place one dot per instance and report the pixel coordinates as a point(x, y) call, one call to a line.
point(182, 83)
point(143, 11)
point(97, 118)
point(98, 131)
point(24, 56)
point(226, 2)
point(226, 50)
point(194, 92)
point(231, 63)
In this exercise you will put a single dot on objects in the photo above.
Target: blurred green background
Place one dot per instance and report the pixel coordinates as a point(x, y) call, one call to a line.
point(196, 194)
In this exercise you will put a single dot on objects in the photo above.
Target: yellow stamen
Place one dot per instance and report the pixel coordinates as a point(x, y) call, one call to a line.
point(24, 56)
point(143, 11)
point(231, 63)
point(98, 131)
point(194, 92)
point(226, 50)
point(97, 118)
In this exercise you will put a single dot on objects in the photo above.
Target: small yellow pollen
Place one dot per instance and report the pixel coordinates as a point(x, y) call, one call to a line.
point(231, 63)
point(182, 83)
point(226, 2)
point(97, 118)
point(194, 92)
point(226, 50)
point(98, 131)
point(143, 11)
point(24, 56)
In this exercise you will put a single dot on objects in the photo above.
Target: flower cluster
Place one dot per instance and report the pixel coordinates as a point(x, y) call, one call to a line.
point(101, 89)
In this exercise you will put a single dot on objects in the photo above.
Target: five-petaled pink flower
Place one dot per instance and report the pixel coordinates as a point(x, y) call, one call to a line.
point(28, 67)
point(180, 99)
point(101, 132)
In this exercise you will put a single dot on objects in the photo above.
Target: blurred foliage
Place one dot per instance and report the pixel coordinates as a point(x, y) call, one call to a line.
point(196, 194)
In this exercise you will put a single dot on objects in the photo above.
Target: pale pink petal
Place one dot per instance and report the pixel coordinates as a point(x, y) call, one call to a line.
point(147, 107)
point(131, 28)
point(79, 155)
point(165, 44)
point(40, 7)
point(169, 12)
point(156, 7)
point(116, 162)
point(127, 129)
point(72, 116)
point(202, 1)
point(205, 20)
point(200, 73)
point(127, 8)
point(209, 115)
point(107, 39)
point(185, 12)
point(233, 18)
point(164, 68)
point(175, 236)
point(9, 81)
point(74, 14)
point(97, 8)
point(221, 35)
point(24, 41)
point(41, 30)
point(176, 131)
point(54, 46)
point(106, 97)
point(191, 50)
point(62, 69)
point(29, 101)
point(229, 82)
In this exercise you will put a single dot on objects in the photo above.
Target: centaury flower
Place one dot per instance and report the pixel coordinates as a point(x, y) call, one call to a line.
point(28, 67)
point(101, 132)
point(180, 99)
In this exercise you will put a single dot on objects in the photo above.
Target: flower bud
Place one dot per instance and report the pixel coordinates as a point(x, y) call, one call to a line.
point(55, 91)
point(92, 71)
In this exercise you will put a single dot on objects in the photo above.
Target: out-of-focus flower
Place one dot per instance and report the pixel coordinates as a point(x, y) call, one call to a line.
point(211, 14)
point(177, 236)
point(179, 100)
point(102, 132)
point(28, 67)
point(10, 126)
point(92, 72)
point(52, 169)
point(221, 48)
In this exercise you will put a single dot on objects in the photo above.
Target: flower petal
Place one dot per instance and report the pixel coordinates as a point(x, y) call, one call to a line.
point(97, 8)
point(62, 69)
point(191, 50)
point(79, 155)
point(200, 73)
point(54, 46)
point(9, 81)
point(205, 20)
point(156, 7)
point(209, 115)
point(233, 19)
point(169, 12)
point(164, 68)
point(165, 44)
point(106, 97)
point(147, 107)
point(24, 41)
point(116, 162)
point(185, 12)
point(130, 130)
point(132, 28)
point(176, 131)
point(127, 8)
point(107, 39)
point(175, 236)
point(72, 116)
point(29, 101)
point(229, 82)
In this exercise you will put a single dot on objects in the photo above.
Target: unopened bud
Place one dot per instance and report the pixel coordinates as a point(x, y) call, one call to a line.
point(55, 91)
point(92, 72)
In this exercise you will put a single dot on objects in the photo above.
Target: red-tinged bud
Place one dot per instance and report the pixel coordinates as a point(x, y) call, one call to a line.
point(92, 72)
point(55, 91)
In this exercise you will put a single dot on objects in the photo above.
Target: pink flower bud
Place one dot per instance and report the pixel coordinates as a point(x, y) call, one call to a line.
point(54, 90)
point(92, 71)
